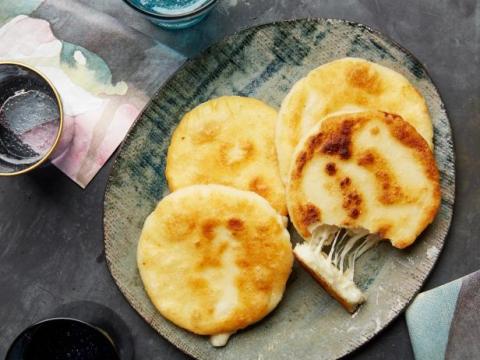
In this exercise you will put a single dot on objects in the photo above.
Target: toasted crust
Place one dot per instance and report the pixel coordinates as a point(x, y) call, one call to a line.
point(369, 170)
point(214, 259)
point(350, 307)
point(230, 141)
point(341, 86)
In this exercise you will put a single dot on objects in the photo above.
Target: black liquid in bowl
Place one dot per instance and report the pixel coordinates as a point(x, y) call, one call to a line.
point(62, 339)
point(30, 118)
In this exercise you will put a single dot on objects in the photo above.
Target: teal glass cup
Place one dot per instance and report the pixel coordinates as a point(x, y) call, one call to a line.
point(173, 14)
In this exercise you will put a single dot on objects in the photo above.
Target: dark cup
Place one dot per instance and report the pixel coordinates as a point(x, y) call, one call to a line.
point(63, 339)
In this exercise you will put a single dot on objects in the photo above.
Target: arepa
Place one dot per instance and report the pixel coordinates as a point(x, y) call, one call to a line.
point(342, 86)
point(214, 259)
point(230, 141)
point(356, 179)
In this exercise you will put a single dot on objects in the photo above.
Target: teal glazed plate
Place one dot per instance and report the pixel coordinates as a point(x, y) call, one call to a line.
point(264, 62)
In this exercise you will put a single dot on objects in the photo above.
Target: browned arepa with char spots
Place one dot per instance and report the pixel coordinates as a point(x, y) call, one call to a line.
point(356, 179)
point(344, 86)
point(230, 141)
point(214, 259)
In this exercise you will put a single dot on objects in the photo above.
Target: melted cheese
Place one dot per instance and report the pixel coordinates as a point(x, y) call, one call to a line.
point(220, 340)
point(331, 253)
point(340, 282)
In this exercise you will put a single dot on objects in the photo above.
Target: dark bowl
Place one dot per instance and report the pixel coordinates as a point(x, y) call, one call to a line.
point(62, 338)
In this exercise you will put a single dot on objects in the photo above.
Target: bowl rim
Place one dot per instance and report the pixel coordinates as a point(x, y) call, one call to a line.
point(158, 16)
point(98, 330)
point(60, 126)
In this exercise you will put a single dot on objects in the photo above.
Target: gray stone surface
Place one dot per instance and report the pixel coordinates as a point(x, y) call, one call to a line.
point(51, 230)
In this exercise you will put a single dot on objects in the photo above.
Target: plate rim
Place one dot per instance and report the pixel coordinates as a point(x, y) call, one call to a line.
point(201, 54)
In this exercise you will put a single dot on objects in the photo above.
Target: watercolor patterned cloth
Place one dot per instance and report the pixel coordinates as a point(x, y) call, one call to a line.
point(444, 323)
point(104, 71)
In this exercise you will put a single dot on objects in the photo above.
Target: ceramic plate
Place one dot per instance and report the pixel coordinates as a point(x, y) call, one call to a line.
point(264, 62)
